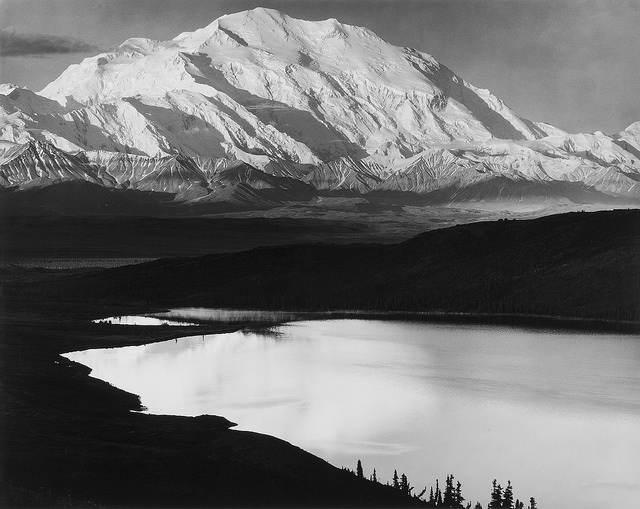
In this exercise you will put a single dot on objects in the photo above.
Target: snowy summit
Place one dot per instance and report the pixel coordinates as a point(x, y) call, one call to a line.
point(322, 102)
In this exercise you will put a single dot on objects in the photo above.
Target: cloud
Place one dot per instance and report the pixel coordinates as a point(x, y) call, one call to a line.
point(13, 43)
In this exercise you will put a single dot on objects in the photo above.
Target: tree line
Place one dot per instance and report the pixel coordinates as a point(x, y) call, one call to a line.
point(451, 497)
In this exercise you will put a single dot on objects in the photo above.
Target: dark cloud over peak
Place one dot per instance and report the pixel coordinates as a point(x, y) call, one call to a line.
point(13, 43)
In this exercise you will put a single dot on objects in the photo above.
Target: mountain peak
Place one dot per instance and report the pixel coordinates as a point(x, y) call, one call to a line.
point(260, 82)
point(265, 89)
point(270, 30)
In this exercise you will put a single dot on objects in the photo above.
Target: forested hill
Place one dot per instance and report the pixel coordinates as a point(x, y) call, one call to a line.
point(583, 265)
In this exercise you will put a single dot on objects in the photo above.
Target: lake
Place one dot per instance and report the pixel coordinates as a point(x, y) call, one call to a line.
point(557, 413)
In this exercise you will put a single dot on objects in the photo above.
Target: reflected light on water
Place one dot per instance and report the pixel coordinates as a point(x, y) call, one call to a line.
point(182, 316)
point(557, 414)
point(229, 315)
point(141, 320)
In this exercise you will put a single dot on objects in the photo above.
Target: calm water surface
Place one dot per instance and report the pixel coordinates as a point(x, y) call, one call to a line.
point(556, 413)
point(141, 320)
point(184, 316)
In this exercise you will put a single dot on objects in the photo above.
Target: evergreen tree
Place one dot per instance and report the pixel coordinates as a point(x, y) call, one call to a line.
point(374, 476)
point(359, 471)
point(496, 496)
point(438, 493)
point(532, 503)
point(404, 484)
point(458, 495)
point(432, 499)
point(507, 501)
point(519, 505)
point(396, 484)
point(478, 505)
point(448, 492)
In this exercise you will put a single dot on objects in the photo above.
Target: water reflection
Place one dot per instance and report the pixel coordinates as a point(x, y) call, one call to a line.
point(141, 320)
point(182, 316)
point(230, 315)
point(557, 414)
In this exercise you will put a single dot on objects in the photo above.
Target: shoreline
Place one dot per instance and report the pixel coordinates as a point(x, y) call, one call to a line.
point(69, 439)
point(338, 463)
point(75, 413)
point(522, 320)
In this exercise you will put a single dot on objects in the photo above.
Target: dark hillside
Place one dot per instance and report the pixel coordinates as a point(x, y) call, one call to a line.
point(580, 265)
point(151, 237)
point(67, 440)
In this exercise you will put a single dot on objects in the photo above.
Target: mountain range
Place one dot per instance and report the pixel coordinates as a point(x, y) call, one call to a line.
point(259, 109)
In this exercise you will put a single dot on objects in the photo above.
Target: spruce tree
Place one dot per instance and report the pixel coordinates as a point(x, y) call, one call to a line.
point(458, 495)
point(448, 492)
point(507, 501)
point(404, 484)
point(532, 503)
point(432, 499)
point(496, 496)
point(359, 471)
point(374, 476)
point(438, 493)
point(396, 484)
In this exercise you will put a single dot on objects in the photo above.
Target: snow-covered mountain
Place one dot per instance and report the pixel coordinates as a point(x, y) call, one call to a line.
point(260, 101)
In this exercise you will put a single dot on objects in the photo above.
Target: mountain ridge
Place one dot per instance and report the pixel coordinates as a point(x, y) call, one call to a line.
point(328, 104)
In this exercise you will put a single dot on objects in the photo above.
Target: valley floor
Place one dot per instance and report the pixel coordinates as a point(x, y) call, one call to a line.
point(93, 241)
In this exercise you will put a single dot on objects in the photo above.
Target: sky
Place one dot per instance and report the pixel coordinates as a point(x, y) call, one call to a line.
point(572, 63)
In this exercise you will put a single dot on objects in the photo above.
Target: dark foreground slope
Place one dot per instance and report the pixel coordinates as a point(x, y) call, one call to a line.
point(579, 265)
point(67, 440)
